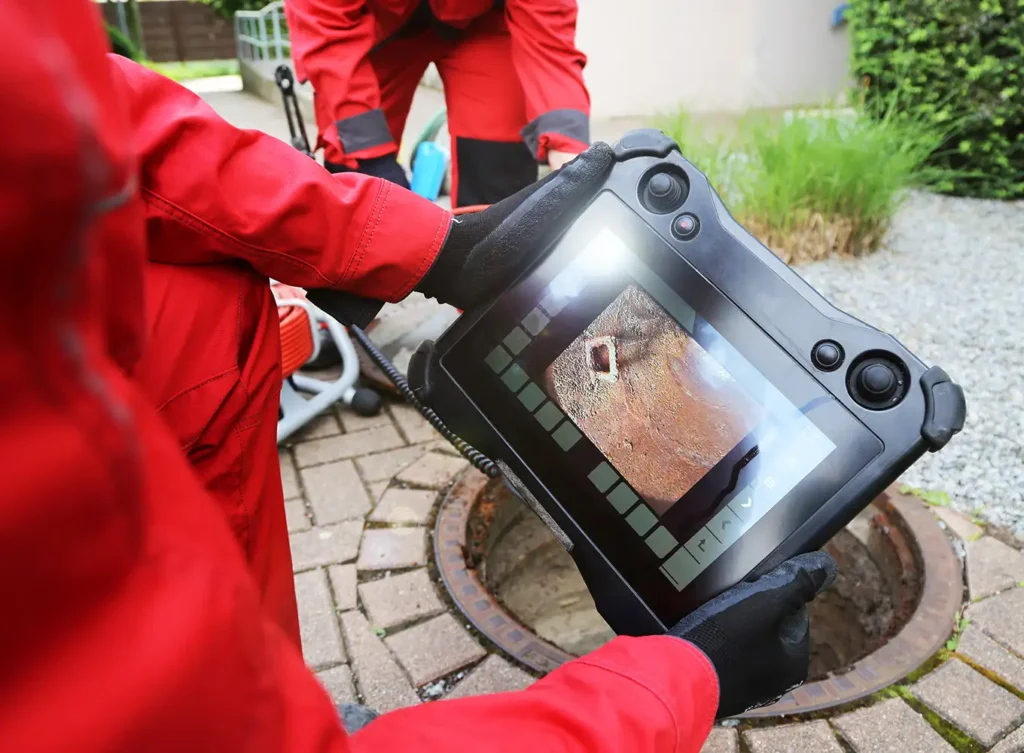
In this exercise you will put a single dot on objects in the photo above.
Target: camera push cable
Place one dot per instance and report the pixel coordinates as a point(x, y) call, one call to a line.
point(479, 461)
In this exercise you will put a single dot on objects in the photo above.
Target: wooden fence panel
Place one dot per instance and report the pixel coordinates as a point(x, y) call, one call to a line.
point(180, 30)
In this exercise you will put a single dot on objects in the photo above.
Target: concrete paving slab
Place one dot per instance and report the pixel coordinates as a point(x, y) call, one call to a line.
point(969, 701)
point(890, 727)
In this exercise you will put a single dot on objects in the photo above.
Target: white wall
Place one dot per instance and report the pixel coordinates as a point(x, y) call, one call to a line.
point(650, 56)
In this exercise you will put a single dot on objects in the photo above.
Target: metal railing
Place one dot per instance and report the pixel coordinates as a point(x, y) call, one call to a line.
point(262, 35)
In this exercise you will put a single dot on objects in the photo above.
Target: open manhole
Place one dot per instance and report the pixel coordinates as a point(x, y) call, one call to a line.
point(892, 608)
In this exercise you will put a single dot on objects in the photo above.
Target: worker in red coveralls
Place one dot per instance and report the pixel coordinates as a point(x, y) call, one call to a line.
point(133, 620)
point(513, 84)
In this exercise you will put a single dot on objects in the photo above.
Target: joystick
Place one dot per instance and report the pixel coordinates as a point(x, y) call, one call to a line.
point(877, 383)
point(664, 192)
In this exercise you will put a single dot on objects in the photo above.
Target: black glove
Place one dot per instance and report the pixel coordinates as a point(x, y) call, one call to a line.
point(385, 167)
point(484, 250)
point(757, 634)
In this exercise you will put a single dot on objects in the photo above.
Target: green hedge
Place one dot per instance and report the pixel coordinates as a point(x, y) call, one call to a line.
point(958, 64)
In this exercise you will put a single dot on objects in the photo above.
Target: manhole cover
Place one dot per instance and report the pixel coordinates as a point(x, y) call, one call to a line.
point(892, 608)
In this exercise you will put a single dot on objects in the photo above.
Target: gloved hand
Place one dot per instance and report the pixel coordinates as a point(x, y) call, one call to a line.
point(485, 249)
point(385, 167)
point(757, 634)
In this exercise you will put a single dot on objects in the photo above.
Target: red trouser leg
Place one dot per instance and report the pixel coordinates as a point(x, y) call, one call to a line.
point(486, 112)
point(212, 368)
point(399, 65)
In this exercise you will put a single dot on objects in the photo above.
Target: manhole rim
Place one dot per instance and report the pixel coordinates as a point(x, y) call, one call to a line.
point(926, 631)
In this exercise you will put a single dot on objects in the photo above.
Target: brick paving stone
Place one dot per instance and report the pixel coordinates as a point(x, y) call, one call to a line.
point(335, 492)
point(890, 727)
point(968, 700)
point(381, 682)
point(346, 446)
point(992, 566)
point(812, 736)
point(435, 648)
point(318, 623)
point(985, 652)
point(382, 466)
point(392, 549)
point(444, 447)
point(326, 545)
point(1002, 618)
point(289, 478)
point(343, 583)
point(722, 740)
point(338, 682)
point(1012, 744)
point(403, 506)
point(353, 422)
point(492, 675)
point(958, 523)
point(377, 489)
point(433, 470)
point(324, 425)
point(399, 598)
point(295, 516)
point(412, 424)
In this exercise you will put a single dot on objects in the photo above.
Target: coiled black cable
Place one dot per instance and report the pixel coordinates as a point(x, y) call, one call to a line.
point(479, 461)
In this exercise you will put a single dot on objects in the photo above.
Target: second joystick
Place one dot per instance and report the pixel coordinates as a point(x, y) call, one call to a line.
point(664, 192)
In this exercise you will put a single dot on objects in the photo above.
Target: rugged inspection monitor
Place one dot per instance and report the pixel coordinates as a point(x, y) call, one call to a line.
point(680, 406)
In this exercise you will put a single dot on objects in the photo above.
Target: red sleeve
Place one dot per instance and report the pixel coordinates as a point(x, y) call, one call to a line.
point(215, 192)
point(135, 625)
point(657, 694)
point(331, 42)
point(550, 70)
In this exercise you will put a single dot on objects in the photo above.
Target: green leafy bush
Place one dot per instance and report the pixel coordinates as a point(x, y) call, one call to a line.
point(956, 63)
point(227, 8)
point(814, 183)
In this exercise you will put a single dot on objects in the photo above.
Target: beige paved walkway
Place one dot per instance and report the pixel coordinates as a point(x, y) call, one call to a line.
point(361, 493)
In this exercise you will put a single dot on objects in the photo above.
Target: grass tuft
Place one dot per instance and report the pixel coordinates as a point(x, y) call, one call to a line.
point(813, 184)
point(193, 69)
point(932, 497)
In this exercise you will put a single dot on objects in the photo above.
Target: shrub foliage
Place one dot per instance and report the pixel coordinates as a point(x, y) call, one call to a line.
point(958, 64)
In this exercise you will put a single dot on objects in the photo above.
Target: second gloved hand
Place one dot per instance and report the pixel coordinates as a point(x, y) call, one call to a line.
point(757, 634)
point(485, 250)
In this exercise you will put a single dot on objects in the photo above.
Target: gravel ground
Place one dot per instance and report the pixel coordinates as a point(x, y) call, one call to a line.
point(950, 285)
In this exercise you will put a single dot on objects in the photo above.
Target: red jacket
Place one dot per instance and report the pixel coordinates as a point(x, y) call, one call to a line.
point(129, 621)
point(332, 39)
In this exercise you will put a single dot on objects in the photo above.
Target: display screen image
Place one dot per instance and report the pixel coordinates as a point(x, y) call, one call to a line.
point(650, 398)
point(677, 433)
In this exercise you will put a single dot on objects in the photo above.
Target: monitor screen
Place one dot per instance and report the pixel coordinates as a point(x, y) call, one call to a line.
point(668, 402)
point(659, 416)
point(656, 404)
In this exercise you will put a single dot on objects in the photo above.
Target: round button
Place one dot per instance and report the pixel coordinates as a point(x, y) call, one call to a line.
point(685, 226)
point(827, 355)
point(663, 192)
point(878, 381)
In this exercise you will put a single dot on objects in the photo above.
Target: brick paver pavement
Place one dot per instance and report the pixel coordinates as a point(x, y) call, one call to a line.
point(360, 504)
